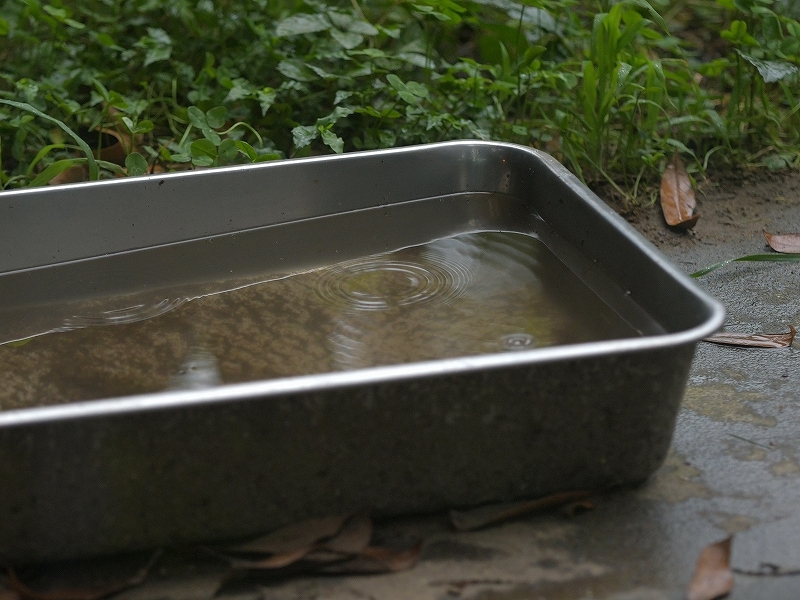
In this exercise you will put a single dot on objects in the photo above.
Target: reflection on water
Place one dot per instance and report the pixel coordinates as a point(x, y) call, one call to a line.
point(467, 295)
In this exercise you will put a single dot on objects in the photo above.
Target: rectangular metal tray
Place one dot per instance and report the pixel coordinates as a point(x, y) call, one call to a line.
point(173, 467)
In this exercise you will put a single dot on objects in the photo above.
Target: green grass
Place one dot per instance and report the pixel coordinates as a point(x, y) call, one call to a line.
point(609, 88)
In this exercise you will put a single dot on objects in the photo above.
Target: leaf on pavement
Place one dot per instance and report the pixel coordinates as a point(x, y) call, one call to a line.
point(757, 340)
point(294, 537)
point(89, 593)
point(677, 196)
point(476, 518)
point(375, 560)
point(785, 244)
point(712, 577)
point(331, 545)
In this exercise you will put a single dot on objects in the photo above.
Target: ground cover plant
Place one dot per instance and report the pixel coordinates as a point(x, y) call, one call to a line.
point(103, 88)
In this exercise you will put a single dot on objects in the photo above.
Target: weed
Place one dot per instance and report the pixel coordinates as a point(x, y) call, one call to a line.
point(611, 88)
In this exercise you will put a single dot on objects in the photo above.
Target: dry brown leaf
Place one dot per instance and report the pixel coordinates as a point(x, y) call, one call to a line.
point(712, 577)
point(677, 196)
point(575, 508)
point(756, 340)
point(353, 537)
point(275, 561)
point(785, 244)
point(468, 520)
point(94, 593)
point(374, 560)
point(294, 538)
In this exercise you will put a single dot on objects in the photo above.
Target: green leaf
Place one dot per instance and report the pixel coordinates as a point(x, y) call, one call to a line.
point(211, 135)
point(333, 141)
point(297, 70)
point(136, 164)
point(301, 23)
point(247, 150)
point(227, 150)
point(216, 116)
point(197, 117)
point(4, 27)
point(56, 168)
point(200, 148)
point(347, 39)
point(303, 135)
point(94, 172)
point(771, 70)
point(266, 98)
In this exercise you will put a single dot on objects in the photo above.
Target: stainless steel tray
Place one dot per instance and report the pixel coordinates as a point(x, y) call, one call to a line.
point(100, 476)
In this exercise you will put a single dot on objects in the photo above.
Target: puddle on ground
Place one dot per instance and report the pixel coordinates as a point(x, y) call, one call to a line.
point(675, 482)
point(722, 402)
point(463, 296)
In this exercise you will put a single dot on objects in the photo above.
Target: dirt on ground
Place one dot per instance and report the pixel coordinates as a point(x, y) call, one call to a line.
point(737, 204)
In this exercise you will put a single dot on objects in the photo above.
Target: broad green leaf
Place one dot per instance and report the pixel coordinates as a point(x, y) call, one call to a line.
point(303, 135)
point(266, 98)
point(216, 116)
point(347, 39)
point(227, 149)
point(203, 148)
point(297, 70)
point(211, 135)
point(4, 27)
point(771, 70)
point(136, 164)
point(301, 23)
point(333, 141)
point(197, 117)
point(247, 150)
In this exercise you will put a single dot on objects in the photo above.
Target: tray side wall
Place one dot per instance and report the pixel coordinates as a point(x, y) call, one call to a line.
point(240, 468)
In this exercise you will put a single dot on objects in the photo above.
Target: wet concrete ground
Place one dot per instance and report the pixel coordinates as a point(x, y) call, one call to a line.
point(734, 469)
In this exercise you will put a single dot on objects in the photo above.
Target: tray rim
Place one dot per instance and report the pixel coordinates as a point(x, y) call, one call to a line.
point(383, 374)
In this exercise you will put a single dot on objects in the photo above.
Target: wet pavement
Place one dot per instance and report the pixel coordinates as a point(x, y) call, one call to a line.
point(734, 469)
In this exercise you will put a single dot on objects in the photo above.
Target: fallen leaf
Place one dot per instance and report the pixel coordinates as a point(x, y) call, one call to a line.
point(712, 577)
point(468, 520)
point(677, 196)
point(293, 538)
point(756, 340)
point(353, 537)
point(575, 508)
point(785, 244)
point(374, 560)
point(94, 593)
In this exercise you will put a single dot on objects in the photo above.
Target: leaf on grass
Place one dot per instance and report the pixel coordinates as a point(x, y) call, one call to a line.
point(677, 196)
point(756, 340)
point(476, 518)
point(785, 244)
point(375, 560)
point(712, 577)
point(93, 593)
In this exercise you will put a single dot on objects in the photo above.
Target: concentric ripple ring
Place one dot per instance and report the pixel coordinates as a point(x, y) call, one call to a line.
point(383, 282)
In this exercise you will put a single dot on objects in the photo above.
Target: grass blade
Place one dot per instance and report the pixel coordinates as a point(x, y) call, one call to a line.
point(749, 258)
point(94, 171)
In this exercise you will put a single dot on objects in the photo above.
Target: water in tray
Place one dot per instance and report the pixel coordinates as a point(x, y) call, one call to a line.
point(467, 295)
